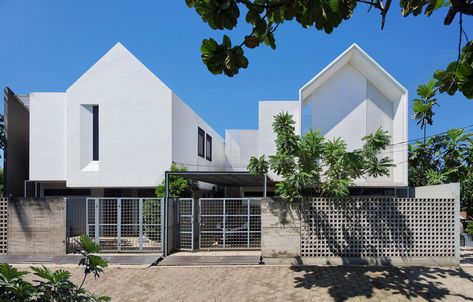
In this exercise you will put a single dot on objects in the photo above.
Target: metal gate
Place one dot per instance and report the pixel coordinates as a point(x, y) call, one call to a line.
point(125, 224)
point(186, 223)
point(230, 223)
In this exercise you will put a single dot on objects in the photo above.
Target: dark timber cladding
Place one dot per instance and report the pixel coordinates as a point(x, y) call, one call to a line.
point(16, 155)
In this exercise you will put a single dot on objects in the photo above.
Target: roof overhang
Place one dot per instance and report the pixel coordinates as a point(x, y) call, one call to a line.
point(362, 62)
point(222, 178)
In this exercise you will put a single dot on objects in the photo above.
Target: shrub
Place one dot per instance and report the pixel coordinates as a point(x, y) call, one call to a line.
point(55, 286)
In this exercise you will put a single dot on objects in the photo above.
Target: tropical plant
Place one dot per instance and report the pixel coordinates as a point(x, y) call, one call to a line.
point(423, 105)
point(178, 186)
point(54, 286)
point(469, 228)
point(265, 16)
point(313, 164)
point(444, 158)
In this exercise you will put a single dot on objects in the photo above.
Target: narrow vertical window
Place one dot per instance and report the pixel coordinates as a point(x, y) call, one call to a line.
point(95, 133)
point(208, 147)
point(200, 142)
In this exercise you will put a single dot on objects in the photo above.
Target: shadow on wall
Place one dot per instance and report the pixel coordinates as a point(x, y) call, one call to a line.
point(356, 228)
point(344, 283)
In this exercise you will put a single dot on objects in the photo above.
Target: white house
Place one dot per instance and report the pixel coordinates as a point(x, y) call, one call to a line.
point(118, 128)
point(352, 97)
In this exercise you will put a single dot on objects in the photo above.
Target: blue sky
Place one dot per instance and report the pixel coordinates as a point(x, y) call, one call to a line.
point(47, 45)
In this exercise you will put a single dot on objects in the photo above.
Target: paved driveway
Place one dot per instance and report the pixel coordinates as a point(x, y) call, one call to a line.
point(283, 283)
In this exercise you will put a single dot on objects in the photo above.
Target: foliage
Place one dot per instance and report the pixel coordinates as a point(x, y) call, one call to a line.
point(423, 105)
point(3, 139)
point(469, 228)
point(312, 163)
point(442, 159)
point(265, 16)
point(178, 186)
point(54, 285)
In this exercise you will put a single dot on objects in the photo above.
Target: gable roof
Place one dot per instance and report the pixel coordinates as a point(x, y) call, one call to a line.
point(362, 62)
point(118, 56)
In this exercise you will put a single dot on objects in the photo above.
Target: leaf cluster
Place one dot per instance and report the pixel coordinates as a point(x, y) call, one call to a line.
point(178, 186)
point(54, 286)
point(444, 158)
point(313, 163)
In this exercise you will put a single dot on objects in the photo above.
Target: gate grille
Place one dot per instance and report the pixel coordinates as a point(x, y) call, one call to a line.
point(125, 224)
point(186, 224)
point(230, 223)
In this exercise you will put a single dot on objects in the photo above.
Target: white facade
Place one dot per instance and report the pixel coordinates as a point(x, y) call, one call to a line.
point(351, 98)
point(143, 126)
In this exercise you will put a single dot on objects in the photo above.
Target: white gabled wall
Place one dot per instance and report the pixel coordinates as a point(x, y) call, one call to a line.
point(135, 118)
point(240, 146)
point(47, 136)
point(185, 123)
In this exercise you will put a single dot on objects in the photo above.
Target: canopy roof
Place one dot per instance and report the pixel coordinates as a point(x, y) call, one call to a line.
point(222, 178)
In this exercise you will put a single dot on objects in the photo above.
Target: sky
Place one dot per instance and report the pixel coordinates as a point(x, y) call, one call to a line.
point(48, 44)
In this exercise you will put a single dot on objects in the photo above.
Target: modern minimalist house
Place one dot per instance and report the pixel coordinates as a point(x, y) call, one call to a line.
point(117, 129)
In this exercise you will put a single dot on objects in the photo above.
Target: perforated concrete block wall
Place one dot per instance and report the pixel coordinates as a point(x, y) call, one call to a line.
point(378, 228)
point(3, 225)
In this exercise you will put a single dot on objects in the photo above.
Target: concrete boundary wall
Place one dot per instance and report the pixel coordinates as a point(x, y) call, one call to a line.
point(364, 231)
point(36, 226)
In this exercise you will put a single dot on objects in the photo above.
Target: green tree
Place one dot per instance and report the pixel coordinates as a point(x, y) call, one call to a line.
point(313, 164)
point(423, 105)
point(444, 158)
point(469, 228)
point(265, 16)
point(54, 286)
point(178, 186)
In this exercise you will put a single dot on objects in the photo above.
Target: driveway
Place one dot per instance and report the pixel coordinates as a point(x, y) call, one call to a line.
point(283, 283)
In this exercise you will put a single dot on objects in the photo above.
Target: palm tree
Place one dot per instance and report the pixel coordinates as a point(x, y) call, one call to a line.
point(423, 105)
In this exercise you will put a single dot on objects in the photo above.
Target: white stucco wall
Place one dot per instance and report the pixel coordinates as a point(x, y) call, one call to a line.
point(135, 118)
point(350, 106)
point(240, 146)
point(185, 123)
point(47, 136)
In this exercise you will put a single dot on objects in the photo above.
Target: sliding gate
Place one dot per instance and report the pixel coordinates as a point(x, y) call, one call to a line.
point(230, 223)
point(125, 224)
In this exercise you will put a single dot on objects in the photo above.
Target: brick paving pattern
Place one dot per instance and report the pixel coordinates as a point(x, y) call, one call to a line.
point(283, 283)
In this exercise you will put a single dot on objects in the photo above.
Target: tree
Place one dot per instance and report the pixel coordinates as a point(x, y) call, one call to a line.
point(265, 16)
point(178, 186)
point(55, 286)
point(423, 106)
point(313, 164)
point(444, 158)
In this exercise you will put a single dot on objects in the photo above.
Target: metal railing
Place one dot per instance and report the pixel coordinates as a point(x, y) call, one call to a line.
point(125, 224)
point(230, 223)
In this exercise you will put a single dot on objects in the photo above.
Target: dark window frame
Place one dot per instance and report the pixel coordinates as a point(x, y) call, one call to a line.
point(200, 137)
point(208, 147)
point(95, 132)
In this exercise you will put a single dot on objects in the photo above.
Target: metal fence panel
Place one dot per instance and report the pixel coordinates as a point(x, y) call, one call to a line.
point(186, 223)
point(230, 223)
point(118, 224)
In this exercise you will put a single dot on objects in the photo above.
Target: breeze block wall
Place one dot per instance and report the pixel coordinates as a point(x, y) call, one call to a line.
point(373, 231)
point(36, 226)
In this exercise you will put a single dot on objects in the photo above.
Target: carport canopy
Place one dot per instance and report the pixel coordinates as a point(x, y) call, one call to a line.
point(221, 178)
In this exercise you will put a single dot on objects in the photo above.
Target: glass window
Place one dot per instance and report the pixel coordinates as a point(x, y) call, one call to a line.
point(95, 133)
point(200, 142)
point(208, 147)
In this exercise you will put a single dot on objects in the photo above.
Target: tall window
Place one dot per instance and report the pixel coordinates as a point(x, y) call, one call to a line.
point(200, 142)
point(95, 133)
point(208, 147)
